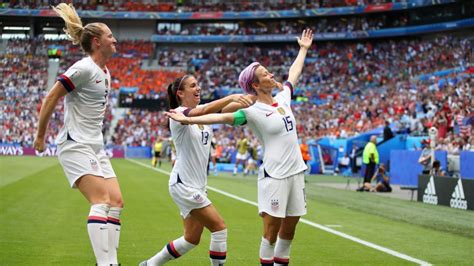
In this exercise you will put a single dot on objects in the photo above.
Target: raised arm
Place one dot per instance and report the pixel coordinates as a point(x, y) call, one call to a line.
point(227, 104)
point(305, 43)
point(47, 108)
point(227, 118)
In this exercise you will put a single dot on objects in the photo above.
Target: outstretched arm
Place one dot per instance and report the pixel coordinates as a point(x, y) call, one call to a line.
point(229, 103)
point(227, 118)
point(47, 108)
point(305, 43)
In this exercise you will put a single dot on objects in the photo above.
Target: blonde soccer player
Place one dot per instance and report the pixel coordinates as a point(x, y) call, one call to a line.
point(281, 194)
point(86, 85)
point(188, 179)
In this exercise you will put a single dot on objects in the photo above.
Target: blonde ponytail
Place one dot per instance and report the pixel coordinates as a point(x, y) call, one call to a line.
point(74, 28)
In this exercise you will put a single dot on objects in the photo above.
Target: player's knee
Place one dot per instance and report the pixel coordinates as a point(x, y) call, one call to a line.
point(219, 226)
point(192, 238)
point(117, 202)
point(288, 235)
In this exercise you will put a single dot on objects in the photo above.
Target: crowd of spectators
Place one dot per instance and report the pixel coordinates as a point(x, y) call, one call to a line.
point(192, 5)
point(322, 25)
point(345, 89)
point(23, 79)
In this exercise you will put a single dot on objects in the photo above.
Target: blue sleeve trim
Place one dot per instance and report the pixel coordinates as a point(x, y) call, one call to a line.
point(287, 83)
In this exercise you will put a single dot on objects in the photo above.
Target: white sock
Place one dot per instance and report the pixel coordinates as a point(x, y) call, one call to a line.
point(172, 250)
point(266, 252)
point(113, 227)
point(282, 252)
point(98, 233)
point(235, 170)
point(218, 247)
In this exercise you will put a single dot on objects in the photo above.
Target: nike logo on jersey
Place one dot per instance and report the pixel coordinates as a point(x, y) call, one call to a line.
point(98, 81)
point(269, 114)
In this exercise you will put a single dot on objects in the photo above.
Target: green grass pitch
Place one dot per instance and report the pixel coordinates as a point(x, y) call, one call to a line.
point(43, 221)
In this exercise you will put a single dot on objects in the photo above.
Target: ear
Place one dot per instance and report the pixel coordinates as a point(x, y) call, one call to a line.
point(179, 93)
point(96, 41)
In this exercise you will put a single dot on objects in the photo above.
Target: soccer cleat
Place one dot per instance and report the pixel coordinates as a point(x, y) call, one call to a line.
point(143, 263)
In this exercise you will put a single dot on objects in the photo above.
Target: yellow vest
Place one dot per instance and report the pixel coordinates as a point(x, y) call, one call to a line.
point(368, 150)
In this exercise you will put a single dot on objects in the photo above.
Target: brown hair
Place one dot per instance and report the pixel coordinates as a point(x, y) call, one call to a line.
point(74, 29)
point(177, 84)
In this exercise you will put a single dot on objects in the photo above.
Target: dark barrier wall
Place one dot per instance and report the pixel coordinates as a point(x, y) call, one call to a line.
point(467, 164)
point(404, 166)
point(447, 191)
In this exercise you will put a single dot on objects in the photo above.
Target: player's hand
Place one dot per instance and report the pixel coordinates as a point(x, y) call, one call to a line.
point(244, 100)
point(177, 116)
point(279, 86)
point(39, 144)
point(306, 39)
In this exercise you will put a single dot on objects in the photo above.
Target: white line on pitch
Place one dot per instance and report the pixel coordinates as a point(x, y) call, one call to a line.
point(313, 224)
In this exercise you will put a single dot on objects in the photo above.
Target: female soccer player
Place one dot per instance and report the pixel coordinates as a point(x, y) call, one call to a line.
point(80, 142)
point(281, 195)
point(188, 178)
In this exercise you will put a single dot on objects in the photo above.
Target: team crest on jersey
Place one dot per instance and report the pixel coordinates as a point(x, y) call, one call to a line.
point(201, 127)
point(106, 83)
point(197, 197)
point(94, 164)
point(281, 110)
point(275, 204)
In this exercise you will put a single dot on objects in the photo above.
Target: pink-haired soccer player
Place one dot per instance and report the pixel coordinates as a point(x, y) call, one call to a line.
point(281, 194)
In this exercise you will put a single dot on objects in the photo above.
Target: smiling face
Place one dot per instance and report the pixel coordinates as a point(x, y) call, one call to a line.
point(190, 92)
point(106, 42)
point(264, 81)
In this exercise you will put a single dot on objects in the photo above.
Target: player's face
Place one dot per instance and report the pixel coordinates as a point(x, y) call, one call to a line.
point(266, 81)
point(191, 92)
point(107, 41)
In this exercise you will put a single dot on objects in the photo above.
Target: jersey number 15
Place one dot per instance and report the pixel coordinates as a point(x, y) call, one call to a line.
point(288, 123)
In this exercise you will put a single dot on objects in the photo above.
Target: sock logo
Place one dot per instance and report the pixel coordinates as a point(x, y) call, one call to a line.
point(458, 200)
point(430, 193)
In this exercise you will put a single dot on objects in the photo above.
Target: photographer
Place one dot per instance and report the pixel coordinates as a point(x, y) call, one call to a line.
point(383, 181)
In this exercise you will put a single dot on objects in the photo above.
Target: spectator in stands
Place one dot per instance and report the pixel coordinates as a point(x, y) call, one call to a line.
point(387, 132)
point(426, 156)
point(370, 158)
point(436, 170)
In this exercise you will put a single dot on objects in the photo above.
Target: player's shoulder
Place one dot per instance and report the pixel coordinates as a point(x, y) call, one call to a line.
point(85, 65)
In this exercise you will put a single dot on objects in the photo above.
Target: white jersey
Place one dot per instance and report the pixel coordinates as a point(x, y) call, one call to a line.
point(275, 127)
point(193, 146)
point(84, 106)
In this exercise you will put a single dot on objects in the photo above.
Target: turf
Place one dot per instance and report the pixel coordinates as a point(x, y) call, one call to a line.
point(43, 221)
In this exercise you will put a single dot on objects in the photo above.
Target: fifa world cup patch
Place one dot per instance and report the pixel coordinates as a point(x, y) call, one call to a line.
point(275, 204)
point(94, 164)
point(198, 198)
point(201, 127)
point(281, 110)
